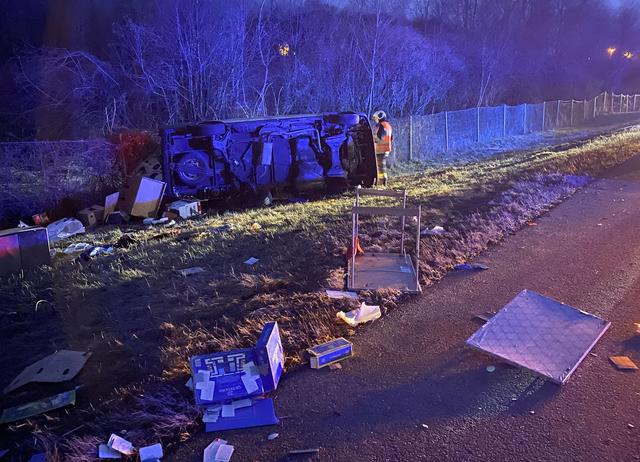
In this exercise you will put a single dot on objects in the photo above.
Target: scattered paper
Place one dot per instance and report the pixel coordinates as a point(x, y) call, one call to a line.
point(211, 414)
point(240, 403)
point(491, 368)
point(273, 436)
point(151, 453)
point(21, 224)
point(228, 410)
point(251, 261)
point(153, 221)
point(304, 451)
point(105, 452)
point(623, 363)
point(189, 271)
point(341, 294)
point(405, 269)
point(435, 231)
point(363, 314)
point(206, 390)
point(24, 411)
point(189, 384)
point(218, 451)
point(121, 445)
point(78, 247)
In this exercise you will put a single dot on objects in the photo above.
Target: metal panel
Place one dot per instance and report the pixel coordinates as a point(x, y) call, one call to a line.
point(540, 334)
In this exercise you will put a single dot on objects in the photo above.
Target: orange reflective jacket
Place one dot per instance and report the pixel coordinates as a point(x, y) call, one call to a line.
point(382, 135)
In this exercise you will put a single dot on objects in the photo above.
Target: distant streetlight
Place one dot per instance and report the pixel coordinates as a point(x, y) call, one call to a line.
point(611, 51)
point(628, 54)
point(283, 49)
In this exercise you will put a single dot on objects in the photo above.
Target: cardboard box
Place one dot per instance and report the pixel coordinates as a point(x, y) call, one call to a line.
point(186, 209)
point(141, 197)
point(22, 249)
point(110, 203)
point(91, 216)
point(330, 352)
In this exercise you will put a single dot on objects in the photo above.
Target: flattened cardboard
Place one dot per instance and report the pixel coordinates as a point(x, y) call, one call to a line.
point(23, 249)
point(623, 363)
point(110, 203)
point(270, 356)
point(259, 414)
point(24, 411)
point(57, 367)
point(141, 197)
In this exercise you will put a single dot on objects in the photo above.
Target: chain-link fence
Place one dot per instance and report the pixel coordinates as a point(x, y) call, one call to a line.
point(424, 137)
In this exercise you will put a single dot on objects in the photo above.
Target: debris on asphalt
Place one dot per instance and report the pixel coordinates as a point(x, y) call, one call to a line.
point(272, 436)
point(218, 451)
point(251, 261)
point(105, 452)
point(435, 231)
point(361, 315)
point(185, 209)
point(40, 406)
point(330, 352)
point(151, 453)
point(117, 443)
point(531, 332)
point(64, 228)
point(484, 317)
point(298, 452)
point(425, 426)
point(637, 325)
point(60, 366)
point(532, 223)
point(230, 383)
point(491, 368)
point(631, 426)
point(335, 366)
point(470, 267)
point(190, 271)
point(341, 294)
point(532, 412)
point(623, 363)
point(91, 216)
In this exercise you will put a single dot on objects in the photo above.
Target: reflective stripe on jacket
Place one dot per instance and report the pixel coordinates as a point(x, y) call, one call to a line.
point(382, 135)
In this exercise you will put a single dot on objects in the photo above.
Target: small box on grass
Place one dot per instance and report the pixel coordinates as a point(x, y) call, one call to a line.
point(330, 352)
point(91, 216)
point(22, 249)
point(185, 209)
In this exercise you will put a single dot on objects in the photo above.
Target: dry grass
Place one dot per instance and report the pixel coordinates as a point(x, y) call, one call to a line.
point(143, 320)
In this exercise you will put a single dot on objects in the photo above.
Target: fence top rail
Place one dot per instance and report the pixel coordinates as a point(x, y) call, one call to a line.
point(389, 211)
point(380, 192)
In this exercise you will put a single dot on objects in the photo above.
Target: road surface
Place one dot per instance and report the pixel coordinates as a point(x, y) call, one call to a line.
point(415, 392)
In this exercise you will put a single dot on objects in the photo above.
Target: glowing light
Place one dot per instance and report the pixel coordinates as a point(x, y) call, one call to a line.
point(628, 54)
point(611, 51)
point(283, 49)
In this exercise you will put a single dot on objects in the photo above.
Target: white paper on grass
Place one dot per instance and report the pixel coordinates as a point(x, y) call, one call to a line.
point(189, 271)
point(105, 452)
point(206, 390)
point(211, 414)
point(240, 403)
point(218, 451)
point(341, 294)
point(120, 444)
point(150, 453)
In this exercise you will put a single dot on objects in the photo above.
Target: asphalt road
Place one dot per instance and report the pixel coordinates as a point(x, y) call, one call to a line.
point(415, 392)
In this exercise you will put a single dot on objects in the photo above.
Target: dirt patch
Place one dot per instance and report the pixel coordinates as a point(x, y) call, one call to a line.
point(142, 320)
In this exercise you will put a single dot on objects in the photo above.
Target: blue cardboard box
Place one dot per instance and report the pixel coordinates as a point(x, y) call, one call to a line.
point(242, 373)
point(330, 352)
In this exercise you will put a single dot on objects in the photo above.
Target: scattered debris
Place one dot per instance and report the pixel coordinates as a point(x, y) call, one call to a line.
point(193, 270)
point(623, 363)
point(631, 426)
point(116, 218)
point(335, 366)
point(341, 294)
point(256, 227)
point(105, 452)
point(141, 196)
point(470, 267)
point(330, 352)
point(22, 224)
point(110, 204)
point(223, 228)
point(154, 221)
point(125, 241)
point(40, 219)
point(491, 368)
point(121, 445)
point(531, 332)
point(185, 209)
point(99, 250)
point(189, 384)
point(78, 247)
point(63, 229)
point(299, 452)
point(532, 412)
point(151, 453)
point(23, 411)
point(60, 366)
point(425, 426)
point(251, 261)
point(532, 223)
point(273, 436)
point(218, 451)
point(23, 249)
point(637, 325)
point(361, 315)
point(435, 231)
point(91, 216)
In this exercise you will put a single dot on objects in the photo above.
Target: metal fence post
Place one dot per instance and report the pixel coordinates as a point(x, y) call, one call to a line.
point(584, 111)
point(604, 104)
point(410, 137)
point(504, 120)
point(571, 119)
point(558, 115)
point(524, 123)
point(446, 129)
point(544, 110)
point(635, 97)
point(595, 105)
point(478, 125)
point(620, 102)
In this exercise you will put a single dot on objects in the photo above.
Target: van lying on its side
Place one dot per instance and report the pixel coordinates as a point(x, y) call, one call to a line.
point(261, 157)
